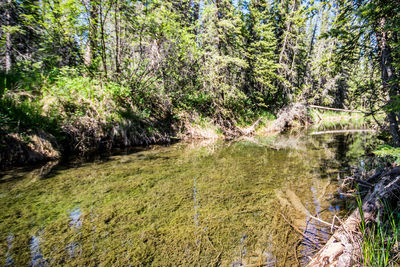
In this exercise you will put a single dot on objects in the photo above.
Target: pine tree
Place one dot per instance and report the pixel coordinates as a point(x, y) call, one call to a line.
point(223, 60)
point(290, 22)
point(261, 74)
point(375, 23)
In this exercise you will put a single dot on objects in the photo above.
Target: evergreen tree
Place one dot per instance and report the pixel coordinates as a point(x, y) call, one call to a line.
point(261, 74)
point(223, 61)
point(370, 28)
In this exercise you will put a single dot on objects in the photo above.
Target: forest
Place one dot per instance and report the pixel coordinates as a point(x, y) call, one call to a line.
point(91, 71)
point(88, 76)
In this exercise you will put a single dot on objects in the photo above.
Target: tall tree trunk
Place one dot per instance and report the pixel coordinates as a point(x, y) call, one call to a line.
point(195, 17)
point(284, 42)
point(281, 71)
point(116, 17)
point(102, 39)
point(8, 38)
point(91, 47)
point(218, 18)
point(388, 80)
point(312, 40)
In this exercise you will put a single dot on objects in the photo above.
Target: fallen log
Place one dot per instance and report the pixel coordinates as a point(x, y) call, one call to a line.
point(335, 109)
point(252, 128)
point(343, 131)
point(343, 248)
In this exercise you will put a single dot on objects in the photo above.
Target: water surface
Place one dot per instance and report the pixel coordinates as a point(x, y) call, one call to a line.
point(210, 203)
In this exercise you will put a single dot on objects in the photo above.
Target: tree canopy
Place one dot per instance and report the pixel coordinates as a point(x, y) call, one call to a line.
point(221, 58)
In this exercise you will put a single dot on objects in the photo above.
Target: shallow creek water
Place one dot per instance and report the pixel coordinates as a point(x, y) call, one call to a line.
point(210, 203)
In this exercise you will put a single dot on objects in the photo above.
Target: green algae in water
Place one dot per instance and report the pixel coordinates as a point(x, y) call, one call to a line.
point(187, 204)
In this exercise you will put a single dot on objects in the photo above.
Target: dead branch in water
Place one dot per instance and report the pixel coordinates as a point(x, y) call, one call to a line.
point(343, 248)
point(323, 222)
point(298, 231)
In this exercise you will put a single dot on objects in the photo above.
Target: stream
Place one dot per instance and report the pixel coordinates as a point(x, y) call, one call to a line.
point(204, 203)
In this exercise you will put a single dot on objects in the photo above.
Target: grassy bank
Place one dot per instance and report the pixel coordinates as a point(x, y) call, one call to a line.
point(61, 113)
point(327, 118)
point(65, 112)
point(380, 246)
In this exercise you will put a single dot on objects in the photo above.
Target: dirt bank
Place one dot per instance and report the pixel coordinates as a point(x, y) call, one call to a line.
point(88, 135)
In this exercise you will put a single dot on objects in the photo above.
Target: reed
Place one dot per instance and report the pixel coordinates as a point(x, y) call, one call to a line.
point(380, 245)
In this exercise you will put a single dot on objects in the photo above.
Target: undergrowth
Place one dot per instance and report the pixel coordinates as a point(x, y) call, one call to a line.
point(77, 96)
point(335, 117)
point(23, 116)
point(388, 152)
point(380, 243)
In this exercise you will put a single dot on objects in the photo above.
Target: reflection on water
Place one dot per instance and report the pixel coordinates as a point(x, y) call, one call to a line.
point(218, 203)
point(76, 223)
point(9, 260)
point(71, 249)
point(75, 216)
point(37, 256)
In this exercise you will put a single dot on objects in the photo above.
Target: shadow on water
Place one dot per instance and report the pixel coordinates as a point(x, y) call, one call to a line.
point(50, 169)
point(189, 204)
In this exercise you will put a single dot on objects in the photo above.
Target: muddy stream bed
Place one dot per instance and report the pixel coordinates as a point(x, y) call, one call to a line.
point(205, 203)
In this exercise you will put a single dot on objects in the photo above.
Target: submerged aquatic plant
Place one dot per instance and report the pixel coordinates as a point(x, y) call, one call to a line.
point(176, 205)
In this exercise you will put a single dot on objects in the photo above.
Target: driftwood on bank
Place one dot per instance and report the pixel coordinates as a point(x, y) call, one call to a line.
point(291, 116)
point(229, 127)
point(250, 130)
point(335, 109)
point(343, 248)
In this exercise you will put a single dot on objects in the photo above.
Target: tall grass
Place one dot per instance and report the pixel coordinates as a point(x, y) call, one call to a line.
point(335, 116)
point(380, 240)
point(22, 116)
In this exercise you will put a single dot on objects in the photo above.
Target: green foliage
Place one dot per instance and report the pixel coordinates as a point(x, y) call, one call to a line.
point(72, 95)
point(393, 105)
point(24, 116)
point(387, 151)
point(24, 78)
point(380, 240)
point(224, 59)
point(262, 59)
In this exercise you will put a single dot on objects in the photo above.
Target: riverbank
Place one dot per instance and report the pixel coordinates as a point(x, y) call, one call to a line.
point(78, 117)
point(85, 136)
point(369, 235)
point(66, 113)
